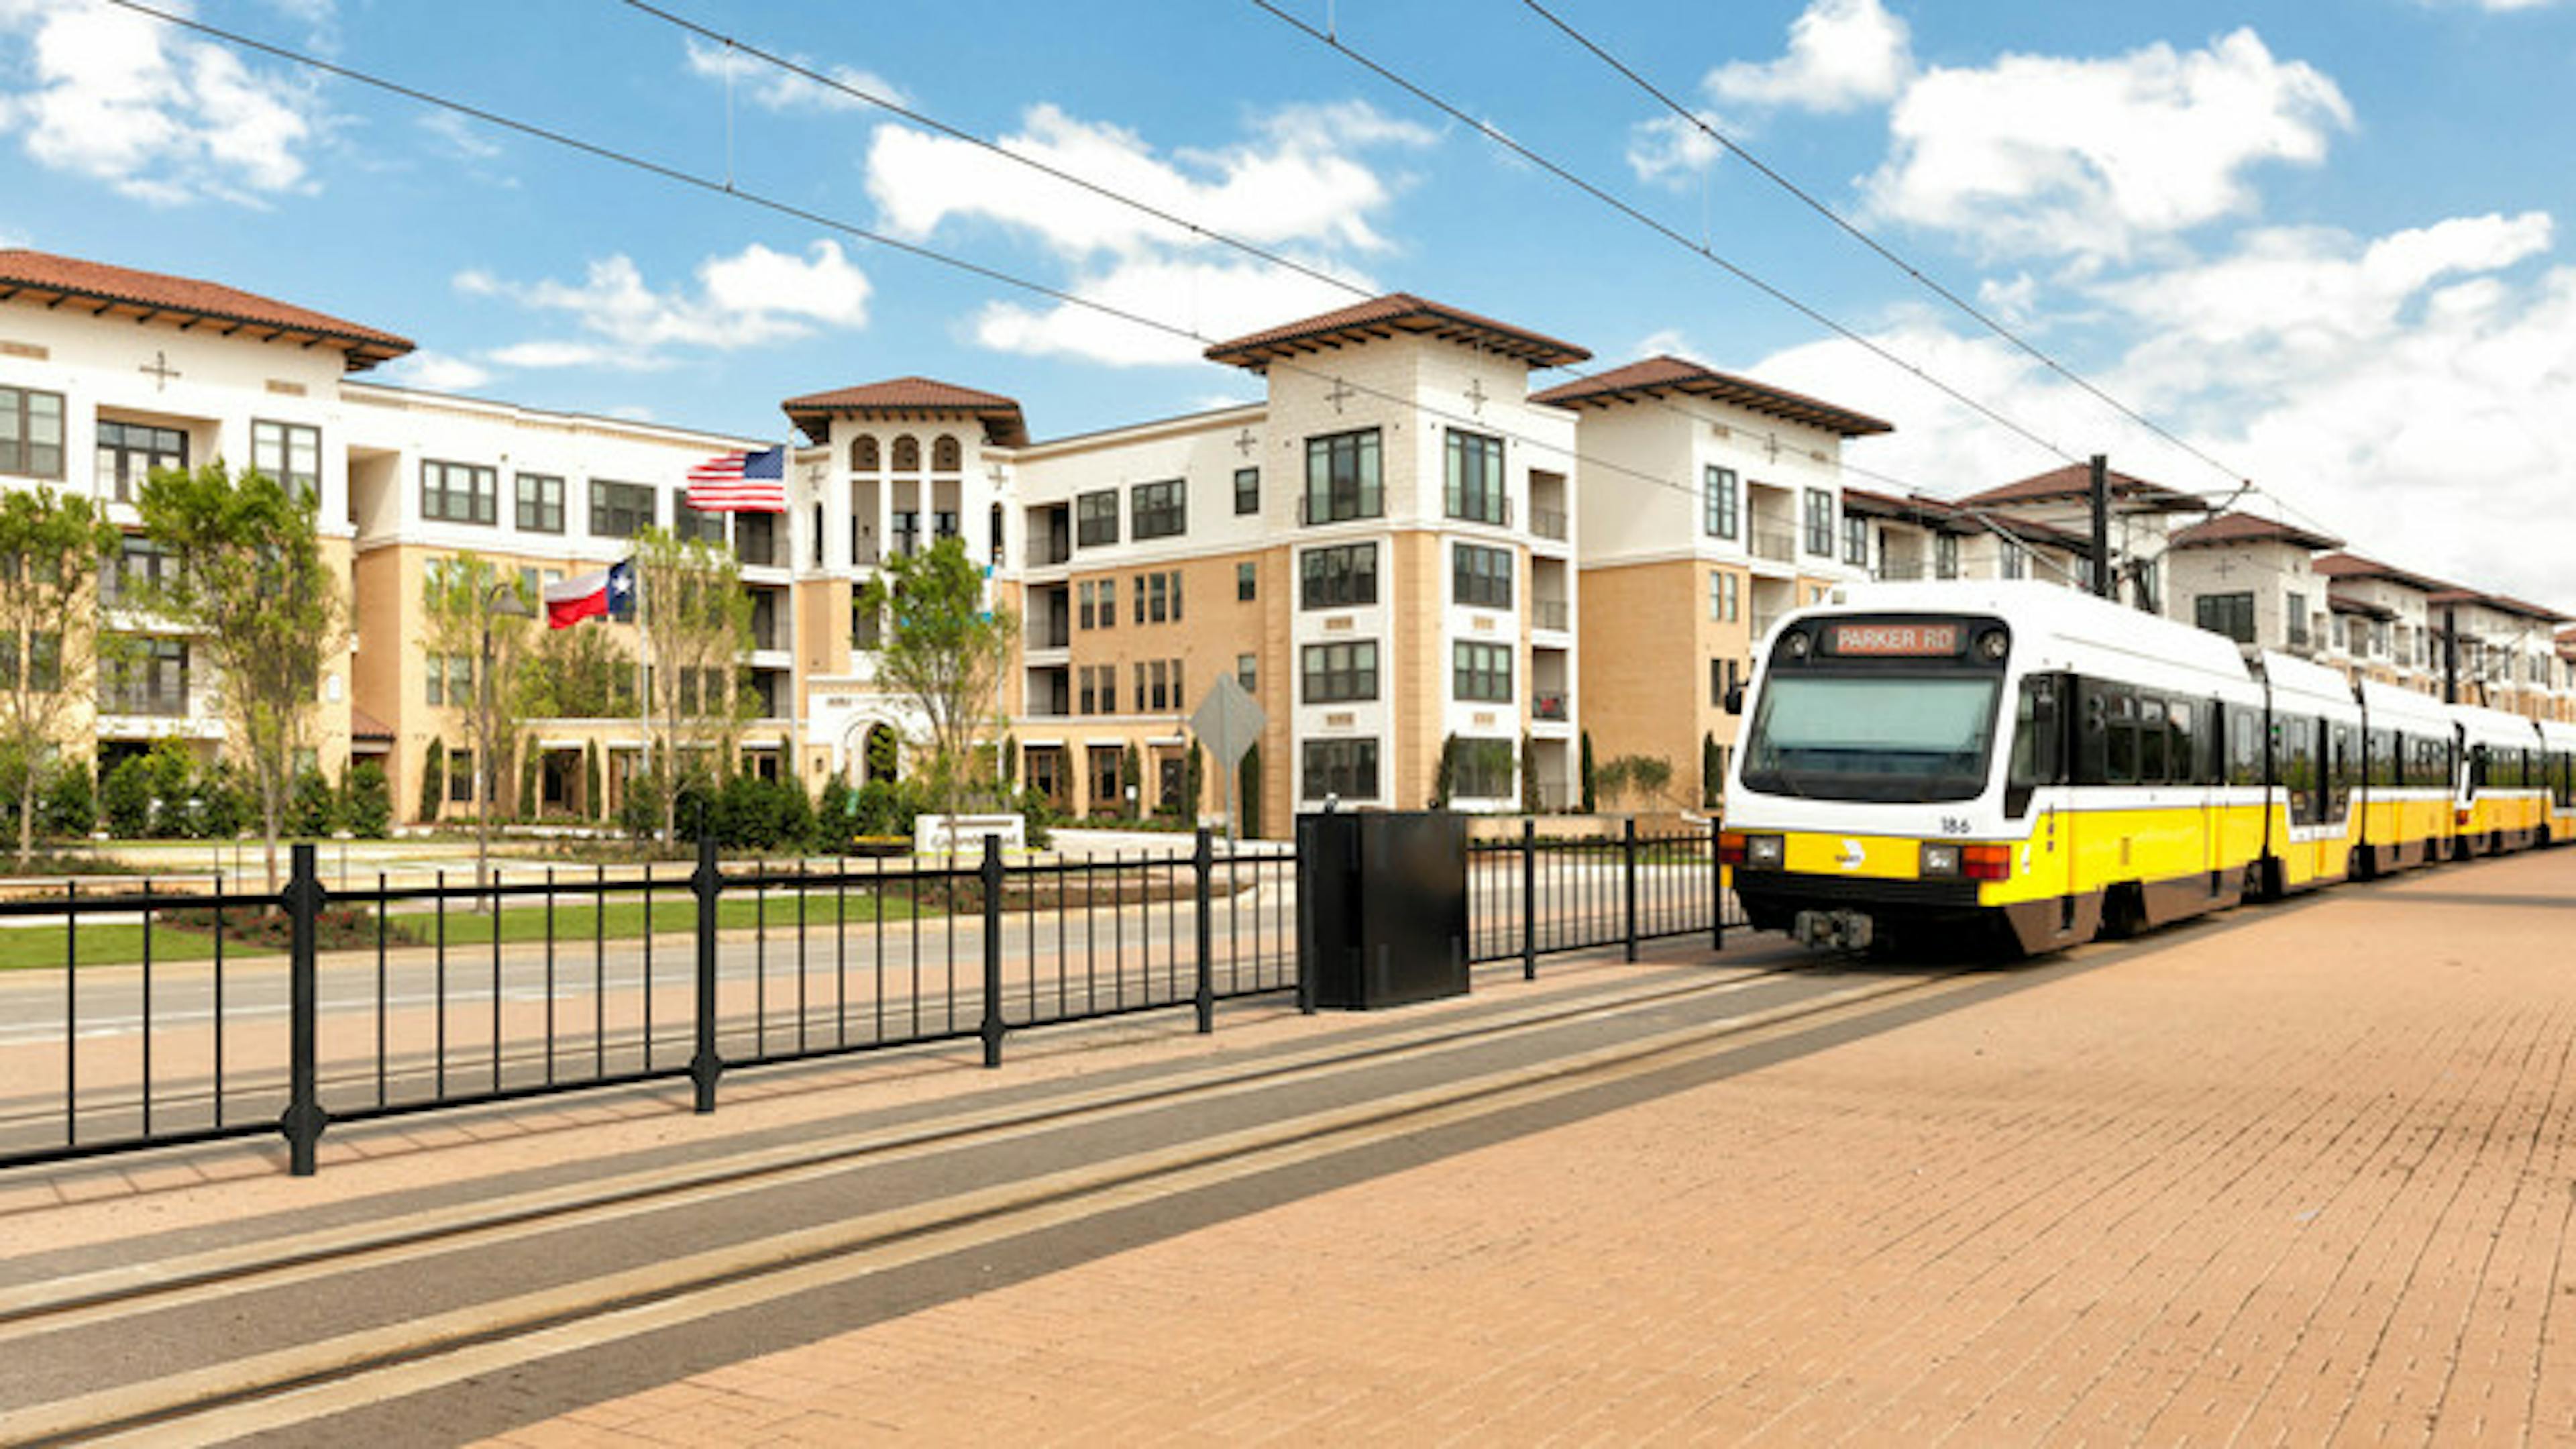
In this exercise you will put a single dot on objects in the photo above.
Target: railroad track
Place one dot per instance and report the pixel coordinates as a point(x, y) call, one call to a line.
point(297, 1383)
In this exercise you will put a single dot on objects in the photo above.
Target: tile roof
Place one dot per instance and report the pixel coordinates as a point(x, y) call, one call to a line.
point(1387, 316)
point(2354, 566)
point(1676, 374)
point(2075, 480)
point(910, 396)
point(364, 726)
point(103, 290)
point(2250, 528)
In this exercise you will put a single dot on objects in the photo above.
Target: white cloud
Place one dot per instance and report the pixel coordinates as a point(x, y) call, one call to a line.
point(773, 89)
point(1670, 151)
point(2407, 392)
point(1843, 54)
point(1297, 186)
point(754, 298)
point(2049, 155)
point(436, 372)
point(1296, 181)
point(117, 96)
point(1216, 300)
point(465, 138)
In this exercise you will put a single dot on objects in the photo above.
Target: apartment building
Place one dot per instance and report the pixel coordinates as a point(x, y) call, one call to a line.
point(1402, 553)
point(1710, 505)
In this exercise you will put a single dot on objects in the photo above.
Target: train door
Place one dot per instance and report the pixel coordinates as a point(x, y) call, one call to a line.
point(2342, 741)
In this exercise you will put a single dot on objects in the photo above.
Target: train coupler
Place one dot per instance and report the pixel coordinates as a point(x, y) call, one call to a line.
point(1833, 930)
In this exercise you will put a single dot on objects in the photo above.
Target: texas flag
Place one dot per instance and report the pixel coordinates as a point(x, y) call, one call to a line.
point(609, 593)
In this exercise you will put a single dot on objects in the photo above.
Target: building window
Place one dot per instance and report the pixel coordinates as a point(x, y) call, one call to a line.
point(1723, 676)
point(1247, 672)
point(1338, 673)
point(1481, 770)
point(1158, 684)
point(31, 433)
point(1476, 478)
point(291, 453)
point(1105, 790)
point(1856, 541)
point(1096, 518)
point(1718, 513)
point(1158, 510)
point(1820, 523)
point(2228, 614)
point(1481, 577)
point(459, 492)
point(1725, 596)
point(451, 679)
point(1099, 692)
point(1342, 478)
point(620, 510)
point(2298, 620)
point(44, 659)
point(540, 503)
point(864, 456)
point(946, 456)
point(460, 777)
point(1336, 578)
point(1247, 582)
point(693, 526)
point(1481, 672)
point(1945, 556)
point(1346, 768)
point(147, 677)
point(1247, 490)
point(128, 452)
point(2146, 592)
point(1158, 598)
point(2012, 562)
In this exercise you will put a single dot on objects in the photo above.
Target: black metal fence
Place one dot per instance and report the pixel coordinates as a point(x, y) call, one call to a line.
point(172, 1016)
point(1535, 895)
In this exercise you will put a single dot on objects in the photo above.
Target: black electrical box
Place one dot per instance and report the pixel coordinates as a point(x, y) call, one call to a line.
point(1382, 906)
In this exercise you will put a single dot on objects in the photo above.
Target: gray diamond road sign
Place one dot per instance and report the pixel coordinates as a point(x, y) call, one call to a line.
point(1228, 722)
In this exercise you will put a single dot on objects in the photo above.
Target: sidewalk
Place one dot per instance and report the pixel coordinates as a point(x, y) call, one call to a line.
point(2299, 1176)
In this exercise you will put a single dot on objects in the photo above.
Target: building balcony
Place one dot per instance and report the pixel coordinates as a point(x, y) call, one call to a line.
point(1548, 523)
point(144, 703)
point(1552, 614)
point(1554, 705)
point(1779, 545)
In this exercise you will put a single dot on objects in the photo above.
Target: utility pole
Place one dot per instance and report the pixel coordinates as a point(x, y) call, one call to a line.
point(2450, 654)
point(2102, 580)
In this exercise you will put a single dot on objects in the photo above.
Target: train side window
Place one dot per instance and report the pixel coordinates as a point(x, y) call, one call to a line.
point(2381, 746)
point(2038, 740)
point(2151, 740)
point(2180, 723)
point(2244, 747)
point(2295, 764)
point(2093, 734)
point(2343, 770)
point(2120, 758)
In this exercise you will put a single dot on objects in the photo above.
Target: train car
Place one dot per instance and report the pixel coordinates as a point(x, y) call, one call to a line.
point(2314, 741)
point(2407, 763)
point(2503, 796)
point(2559, 741)
point(2009, 758)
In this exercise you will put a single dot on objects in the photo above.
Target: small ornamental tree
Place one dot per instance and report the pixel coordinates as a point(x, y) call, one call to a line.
point(53, 548)
point(697, 627)
point(945, 652)
point(1589, 803)
point(1712, 771)
point(248, 579)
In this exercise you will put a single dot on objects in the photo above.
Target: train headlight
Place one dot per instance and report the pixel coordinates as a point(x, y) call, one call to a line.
point(1940, 860)
point(1766, 852)
point(1993, 645)
point(1797, 644)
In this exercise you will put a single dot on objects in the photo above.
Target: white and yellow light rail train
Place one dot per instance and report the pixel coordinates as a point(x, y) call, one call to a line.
point(2042, 766)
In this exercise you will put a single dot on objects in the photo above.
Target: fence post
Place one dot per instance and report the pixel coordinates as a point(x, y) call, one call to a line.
point(1716, 889)
point(991, 876)
point(1203, 860)
point(1309, 940)
point(707, 885)
point(1529, 898)
point(1628, 860)
point(304, 1117)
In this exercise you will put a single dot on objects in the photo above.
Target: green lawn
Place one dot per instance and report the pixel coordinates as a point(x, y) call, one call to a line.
point(121, 943)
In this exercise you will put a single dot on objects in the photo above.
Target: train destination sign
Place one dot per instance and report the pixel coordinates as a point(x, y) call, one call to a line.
point(1895, 640)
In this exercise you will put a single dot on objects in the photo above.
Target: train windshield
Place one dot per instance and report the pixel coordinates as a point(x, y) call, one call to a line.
point(1880, 737)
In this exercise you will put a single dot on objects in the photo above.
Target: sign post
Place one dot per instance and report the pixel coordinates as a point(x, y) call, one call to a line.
point(1228, 723)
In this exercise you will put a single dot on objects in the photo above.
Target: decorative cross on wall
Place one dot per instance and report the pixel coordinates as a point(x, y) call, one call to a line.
point(1771, 445)
point(1340, 391)
point(1244, 442)
point(1476, 395)
point(160, 368)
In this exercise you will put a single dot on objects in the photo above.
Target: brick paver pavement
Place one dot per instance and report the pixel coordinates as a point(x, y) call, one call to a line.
point(2305, 1178)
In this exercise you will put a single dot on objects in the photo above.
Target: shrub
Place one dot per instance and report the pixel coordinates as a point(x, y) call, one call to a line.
point(224, 807)
point(126, 798)
point(433, 780)
point(70, 805)
point(750, 813)
point(366, 804)
point(312, 808)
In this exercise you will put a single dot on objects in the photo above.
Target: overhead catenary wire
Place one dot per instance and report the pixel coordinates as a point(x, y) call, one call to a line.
point(728, 188)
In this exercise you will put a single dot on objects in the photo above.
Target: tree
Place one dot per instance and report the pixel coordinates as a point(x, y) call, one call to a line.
point(433, 780)
point(1532, 800)
point(697, 626)
point(946, 652)
point(52, 546)
point(1588, 781)
point(247, 576)
point(1712, 771)
point(1444, 776)
point(471, 610)
point(576, 673)
point(1644, 775)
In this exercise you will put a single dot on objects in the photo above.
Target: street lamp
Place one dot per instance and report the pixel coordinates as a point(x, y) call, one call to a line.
point(501, 598)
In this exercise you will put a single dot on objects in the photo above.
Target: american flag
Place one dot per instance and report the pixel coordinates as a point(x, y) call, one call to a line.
point(741, 483)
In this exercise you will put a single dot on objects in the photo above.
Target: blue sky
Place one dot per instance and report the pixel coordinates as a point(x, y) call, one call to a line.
point(2321, 242)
